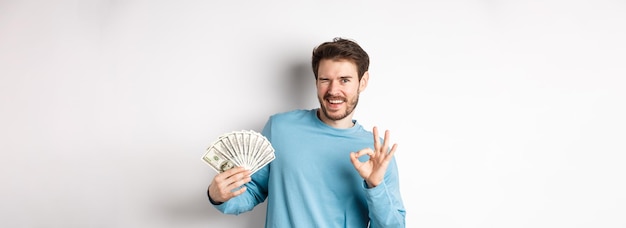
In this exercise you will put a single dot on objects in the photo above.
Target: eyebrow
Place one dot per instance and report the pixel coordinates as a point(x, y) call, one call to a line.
point(340, 77)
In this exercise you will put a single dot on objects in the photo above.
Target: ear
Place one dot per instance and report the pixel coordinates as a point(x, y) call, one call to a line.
point(363, 82)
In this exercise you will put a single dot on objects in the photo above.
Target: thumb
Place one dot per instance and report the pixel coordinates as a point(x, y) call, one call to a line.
point(355, 159)
point(354, 156)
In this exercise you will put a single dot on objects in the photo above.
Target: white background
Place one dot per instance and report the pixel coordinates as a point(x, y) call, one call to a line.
point(507, 113)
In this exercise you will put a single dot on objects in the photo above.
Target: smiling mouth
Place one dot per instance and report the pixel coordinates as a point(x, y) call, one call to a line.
point(335, 101)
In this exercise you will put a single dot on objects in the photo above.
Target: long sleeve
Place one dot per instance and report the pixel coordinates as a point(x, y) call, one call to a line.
point(385, 202)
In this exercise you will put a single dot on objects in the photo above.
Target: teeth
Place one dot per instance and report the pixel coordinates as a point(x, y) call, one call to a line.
point(335, 101)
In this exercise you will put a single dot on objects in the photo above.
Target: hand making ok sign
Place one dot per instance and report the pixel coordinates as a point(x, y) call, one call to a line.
point(373, 170)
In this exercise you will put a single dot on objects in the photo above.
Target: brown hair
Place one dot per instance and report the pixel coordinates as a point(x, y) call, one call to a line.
point(341, 49)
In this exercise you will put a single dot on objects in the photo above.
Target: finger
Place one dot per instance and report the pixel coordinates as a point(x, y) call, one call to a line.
point(239, 179)
point(392, 152)
point(386, 142)
point(228, 193)
point(226, 174)
point(238, 182)
point(228, 178)
point(235, 171)
point(376, 139)
point(366, 151)
point(239, 192)
point(354, 159)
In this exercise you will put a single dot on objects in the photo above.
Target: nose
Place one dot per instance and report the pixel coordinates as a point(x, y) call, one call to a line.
point(333, 88)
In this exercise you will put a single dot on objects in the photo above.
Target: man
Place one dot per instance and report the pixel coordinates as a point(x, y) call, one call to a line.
point(317, 179)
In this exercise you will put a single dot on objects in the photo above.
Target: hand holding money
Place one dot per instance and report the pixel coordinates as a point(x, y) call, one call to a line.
point(223, 186)
point(373, 170)
point(235, 157)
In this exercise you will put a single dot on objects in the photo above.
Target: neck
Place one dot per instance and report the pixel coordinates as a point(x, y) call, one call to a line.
point(342, 123)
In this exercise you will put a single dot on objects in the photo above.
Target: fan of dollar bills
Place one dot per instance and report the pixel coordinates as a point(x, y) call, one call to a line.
point(246, 148)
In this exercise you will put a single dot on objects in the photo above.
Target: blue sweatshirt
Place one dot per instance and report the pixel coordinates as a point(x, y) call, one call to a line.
point(312, 183)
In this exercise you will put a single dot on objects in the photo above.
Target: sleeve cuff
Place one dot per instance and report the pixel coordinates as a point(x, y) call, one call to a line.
point(211, 200)
point(375, 191)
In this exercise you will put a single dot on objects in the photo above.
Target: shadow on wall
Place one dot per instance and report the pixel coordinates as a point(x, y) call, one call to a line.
point(195, 210)
point(298, 92)
point(300, 86)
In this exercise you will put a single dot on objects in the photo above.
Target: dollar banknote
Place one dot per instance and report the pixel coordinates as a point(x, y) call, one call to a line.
point(246, 148)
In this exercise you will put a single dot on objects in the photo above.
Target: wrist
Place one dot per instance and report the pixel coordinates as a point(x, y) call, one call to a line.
point(368, 185)
point(213, 202)
point(208, 193)
point(372, 183)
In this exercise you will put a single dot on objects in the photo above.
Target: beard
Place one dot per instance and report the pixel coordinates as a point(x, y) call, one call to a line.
point(350, 106)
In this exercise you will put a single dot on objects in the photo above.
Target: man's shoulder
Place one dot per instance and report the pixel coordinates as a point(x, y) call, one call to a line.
point(293, 114)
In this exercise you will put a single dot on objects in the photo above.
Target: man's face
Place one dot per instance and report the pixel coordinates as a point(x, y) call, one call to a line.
point(338, 88)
